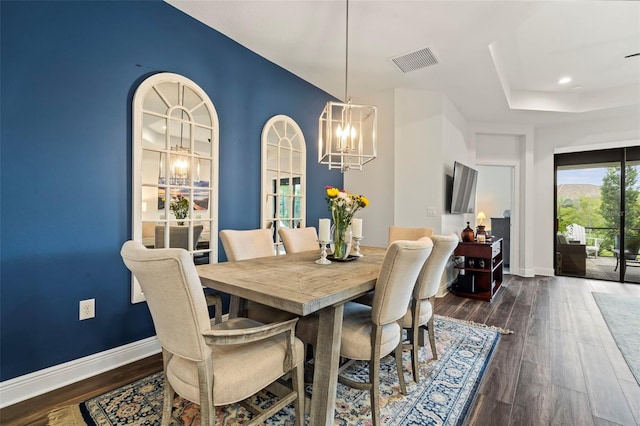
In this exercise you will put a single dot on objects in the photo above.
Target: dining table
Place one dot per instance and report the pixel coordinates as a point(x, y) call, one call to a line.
point(297, 284)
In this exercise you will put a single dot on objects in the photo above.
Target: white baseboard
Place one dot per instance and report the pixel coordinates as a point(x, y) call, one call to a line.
point(547, 272)
point(33, 384)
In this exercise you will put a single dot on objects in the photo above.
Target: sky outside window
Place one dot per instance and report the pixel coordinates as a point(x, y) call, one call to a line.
point(582, 176)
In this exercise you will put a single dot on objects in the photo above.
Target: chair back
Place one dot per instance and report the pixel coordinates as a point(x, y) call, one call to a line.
point(178, 236)
point(174, 295)
point(299, 239)
point(249, 244)
point(398, 274)
point(412, 234)
point(577, 233)
point(431, 273)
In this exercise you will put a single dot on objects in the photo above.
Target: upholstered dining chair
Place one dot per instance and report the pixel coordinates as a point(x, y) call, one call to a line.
point(250, 244)
point(299, 239)
point(412, 234)
point(370, 333)
point(179, 238)
point(420, 313)
point(207, 364)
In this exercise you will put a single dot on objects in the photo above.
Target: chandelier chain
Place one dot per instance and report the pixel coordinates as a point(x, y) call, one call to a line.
point(346, 53)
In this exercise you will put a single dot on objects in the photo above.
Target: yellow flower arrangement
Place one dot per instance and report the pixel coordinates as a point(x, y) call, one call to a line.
point(343, 206)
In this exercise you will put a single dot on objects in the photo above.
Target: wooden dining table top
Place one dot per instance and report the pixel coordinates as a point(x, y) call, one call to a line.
point(294, 282)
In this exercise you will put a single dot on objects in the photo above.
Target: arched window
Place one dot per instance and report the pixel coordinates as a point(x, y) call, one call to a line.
point(175, 168)
point(284, 156)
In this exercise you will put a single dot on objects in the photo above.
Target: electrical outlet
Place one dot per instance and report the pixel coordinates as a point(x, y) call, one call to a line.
point(87, 309)
point(431, 212)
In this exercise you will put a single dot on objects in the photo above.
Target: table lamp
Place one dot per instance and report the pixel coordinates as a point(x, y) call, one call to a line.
point(480, 229)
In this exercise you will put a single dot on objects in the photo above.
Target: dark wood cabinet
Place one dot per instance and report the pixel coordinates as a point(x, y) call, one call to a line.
point(481, 273)
point(501, 228)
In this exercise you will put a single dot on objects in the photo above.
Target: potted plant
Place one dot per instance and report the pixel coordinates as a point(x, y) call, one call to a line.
point(632, 245)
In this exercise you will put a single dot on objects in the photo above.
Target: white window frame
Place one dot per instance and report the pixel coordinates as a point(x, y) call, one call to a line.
point(282, 135)
point(165, 218)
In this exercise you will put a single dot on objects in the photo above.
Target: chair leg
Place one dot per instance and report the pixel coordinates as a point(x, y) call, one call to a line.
point(414, 352)
point(432, 337)
point(374, 393)
point(207, 408)
point(398, 353)
point(167, 404)
point(214, 299)
point(297, 379)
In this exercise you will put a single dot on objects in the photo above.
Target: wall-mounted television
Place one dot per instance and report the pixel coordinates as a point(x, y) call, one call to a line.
point(463, 192)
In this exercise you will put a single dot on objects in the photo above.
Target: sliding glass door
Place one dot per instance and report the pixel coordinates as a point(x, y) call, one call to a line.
point(596, 215)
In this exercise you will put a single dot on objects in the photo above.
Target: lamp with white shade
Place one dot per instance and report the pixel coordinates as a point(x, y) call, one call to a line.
point(480, 229)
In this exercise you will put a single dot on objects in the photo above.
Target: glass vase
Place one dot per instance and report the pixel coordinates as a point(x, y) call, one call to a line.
point(341, 241)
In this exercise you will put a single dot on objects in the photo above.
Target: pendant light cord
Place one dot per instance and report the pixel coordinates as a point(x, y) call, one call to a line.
point(346, 54)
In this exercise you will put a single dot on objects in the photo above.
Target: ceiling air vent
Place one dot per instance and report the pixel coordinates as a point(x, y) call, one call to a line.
point(415, 60)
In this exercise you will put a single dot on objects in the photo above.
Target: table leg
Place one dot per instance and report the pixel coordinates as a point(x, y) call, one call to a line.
point(327, 358)
point(237, 307)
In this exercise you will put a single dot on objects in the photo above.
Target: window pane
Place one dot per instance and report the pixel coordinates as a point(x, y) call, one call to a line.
point(152, 165)
point(202, 141)
point(153, 131)
point(190, 98)
point(285, 160)
point(154, 103)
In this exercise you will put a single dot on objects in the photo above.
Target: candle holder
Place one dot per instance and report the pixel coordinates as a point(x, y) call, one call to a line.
point(323, 253)
point(357, 247)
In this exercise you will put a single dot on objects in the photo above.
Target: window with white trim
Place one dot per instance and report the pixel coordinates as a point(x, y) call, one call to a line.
point(284, 162)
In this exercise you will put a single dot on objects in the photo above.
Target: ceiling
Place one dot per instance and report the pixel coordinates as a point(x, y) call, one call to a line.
point(497, 61)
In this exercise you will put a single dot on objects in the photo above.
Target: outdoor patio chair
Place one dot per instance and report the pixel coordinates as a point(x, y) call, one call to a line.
point(577, 232)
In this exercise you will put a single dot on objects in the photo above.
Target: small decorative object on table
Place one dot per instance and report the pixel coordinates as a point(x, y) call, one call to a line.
point(342, 207)
point(480, 228)
point(323, 239)
point(356, 229)
point(467, 234)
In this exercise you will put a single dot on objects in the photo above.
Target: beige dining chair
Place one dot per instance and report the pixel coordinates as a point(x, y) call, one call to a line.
point(211, 365)
point(370, 333)
point(250, 244)
point(179, 238)
point(412, 234)
point(420, 313)
point(296, 240)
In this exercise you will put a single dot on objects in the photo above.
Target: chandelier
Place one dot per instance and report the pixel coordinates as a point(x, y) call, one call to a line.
point(180, 160)
point(347, 132)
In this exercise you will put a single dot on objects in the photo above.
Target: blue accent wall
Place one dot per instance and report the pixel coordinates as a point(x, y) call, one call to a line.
point(69, 71)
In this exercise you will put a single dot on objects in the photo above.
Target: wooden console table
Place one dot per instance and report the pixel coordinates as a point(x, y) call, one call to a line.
point(482, 266)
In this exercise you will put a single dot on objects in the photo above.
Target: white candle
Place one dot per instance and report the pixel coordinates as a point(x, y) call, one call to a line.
point(323, 230)
point(356, 228)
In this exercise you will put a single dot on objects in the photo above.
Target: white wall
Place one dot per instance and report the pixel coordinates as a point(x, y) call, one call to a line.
point(494, 191)
point(420, 135)
point(418, 142)
point(457, 145)
point(406, 171)
point(375, 181)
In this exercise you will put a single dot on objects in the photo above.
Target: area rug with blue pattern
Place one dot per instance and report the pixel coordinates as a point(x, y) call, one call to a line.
point(444, 396)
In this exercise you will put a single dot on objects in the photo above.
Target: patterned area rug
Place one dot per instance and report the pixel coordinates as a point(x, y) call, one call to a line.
point(444, 395)
point(622, 315)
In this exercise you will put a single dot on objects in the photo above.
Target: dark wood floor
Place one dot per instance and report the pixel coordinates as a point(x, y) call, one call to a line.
point(561, 367)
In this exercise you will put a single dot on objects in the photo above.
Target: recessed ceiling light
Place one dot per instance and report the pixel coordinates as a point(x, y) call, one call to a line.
point(564, 80)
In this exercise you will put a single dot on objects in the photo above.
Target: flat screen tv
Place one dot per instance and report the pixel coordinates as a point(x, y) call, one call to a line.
point(463, 193)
